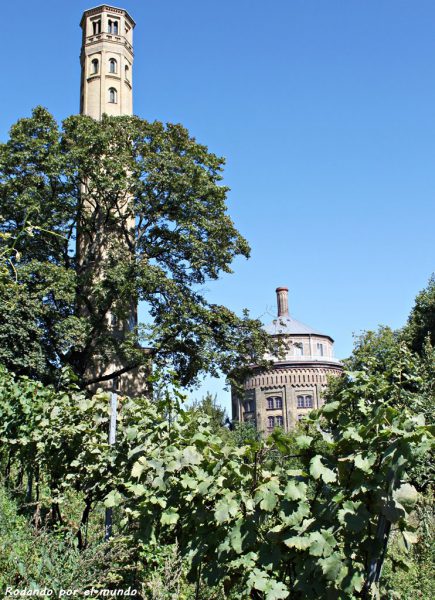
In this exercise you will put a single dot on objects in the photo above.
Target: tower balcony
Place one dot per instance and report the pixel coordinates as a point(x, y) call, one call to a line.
point(109, 37)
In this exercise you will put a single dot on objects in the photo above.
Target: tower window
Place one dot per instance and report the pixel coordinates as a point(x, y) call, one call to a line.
point(299, 349)
point(94, 68)
point(113, 96)
point(305, 402)
point(96, 25)
point(127, 72)
point(274, 402)
point(113, 27)
point(113, 66)
point(320, 349)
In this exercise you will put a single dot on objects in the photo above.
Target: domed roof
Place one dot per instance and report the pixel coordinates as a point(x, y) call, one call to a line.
point(286, 325)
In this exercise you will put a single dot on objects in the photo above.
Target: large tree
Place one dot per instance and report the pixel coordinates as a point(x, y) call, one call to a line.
point(93, 177)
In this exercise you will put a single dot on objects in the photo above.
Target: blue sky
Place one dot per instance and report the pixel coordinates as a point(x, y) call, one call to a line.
point(325, 112)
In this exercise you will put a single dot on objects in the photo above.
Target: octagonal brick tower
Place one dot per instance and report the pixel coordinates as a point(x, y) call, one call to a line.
point(295, 384)
point(107, 62)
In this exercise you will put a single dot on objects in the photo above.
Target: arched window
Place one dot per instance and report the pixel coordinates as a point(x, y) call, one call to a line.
point(95, 66)
point(113, 27)
point(305, 401)
point(113, 96)
point(279, 421)
point(270, 422)
point(127, 72)
point(274, 402)
point(96, 25)
point(113, 65)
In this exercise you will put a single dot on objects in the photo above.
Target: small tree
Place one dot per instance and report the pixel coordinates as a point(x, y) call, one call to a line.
point(210, 407)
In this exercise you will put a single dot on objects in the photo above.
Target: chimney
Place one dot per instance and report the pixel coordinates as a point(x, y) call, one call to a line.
point(282, 301)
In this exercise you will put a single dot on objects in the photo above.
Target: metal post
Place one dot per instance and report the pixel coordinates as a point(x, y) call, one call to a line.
point(112, 439)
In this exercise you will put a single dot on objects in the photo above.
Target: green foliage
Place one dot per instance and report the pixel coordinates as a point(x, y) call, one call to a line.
point(266, 529)
point(209, 406)
point(245, 433)
point(409, 573)
point(241, 516)
point(377, 353)
point(421, 321)
point(38, 559)
point(92, 180)
point(163, 573)
point(375, 348)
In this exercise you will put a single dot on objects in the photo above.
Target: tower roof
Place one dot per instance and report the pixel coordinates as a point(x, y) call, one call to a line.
point(106, 7)
point(286, 325)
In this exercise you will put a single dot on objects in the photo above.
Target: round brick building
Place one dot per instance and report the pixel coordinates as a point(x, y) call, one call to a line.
point(283, 394)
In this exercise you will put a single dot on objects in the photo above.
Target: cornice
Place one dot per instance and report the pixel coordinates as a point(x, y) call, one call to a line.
point(303, 364)
point(295, 366)
point(100, 40)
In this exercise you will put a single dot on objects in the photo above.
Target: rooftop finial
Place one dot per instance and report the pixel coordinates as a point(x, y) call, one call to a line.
point(282, 301)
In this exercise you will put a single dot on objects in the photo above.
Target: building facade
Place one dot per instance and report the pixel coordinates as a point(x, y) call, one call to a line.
point(295, 384)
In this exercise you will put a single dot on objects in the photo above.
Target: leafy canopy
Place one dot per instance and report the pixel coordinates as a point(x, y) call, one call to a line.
point(98, 178)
